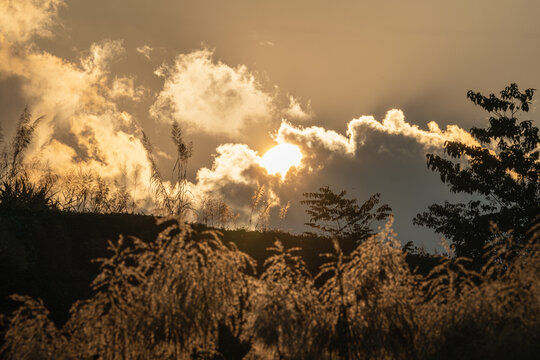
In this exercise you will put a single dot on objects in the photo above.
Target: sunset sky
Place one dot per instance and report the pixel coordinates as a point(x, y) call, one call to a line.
point(364, 89)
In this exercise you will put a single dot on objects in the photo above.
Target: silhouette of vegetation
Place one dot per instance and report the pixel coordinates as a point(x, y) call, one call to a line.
point(191, 293)
point(172, 199)
point(336, 216)
point(214, 212)
point(12, 166)
point(504, 170)
point(181, 198)
point(87, 191)
point(81, 191)
point(19, 196)
point(17, 193)
point(261, 203)
point(283, 211)
point(187, 295)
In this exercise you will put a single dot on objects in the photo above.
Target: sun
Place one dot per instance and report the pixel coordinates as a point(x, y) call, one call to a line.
point(281, 158)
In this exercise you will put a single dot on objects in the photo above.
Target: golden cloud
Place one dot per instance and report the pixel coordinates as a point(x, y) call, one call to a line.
point(21, 20)
point(318, 139)
point(296, 112)
point(211, 96)
point(145, 51)
point(78, 102)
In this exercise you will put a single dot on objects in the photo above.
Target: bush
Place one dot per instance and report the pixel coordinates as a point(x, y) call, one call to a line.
point(19, 196)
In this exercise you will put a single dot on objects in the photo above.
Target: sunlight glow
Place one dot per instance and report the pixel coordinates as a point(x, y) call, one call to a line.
point(281, 158)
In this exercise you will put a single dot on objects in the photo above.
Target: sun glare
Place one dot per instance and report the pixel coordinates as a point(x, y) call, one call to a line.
point(281, 158)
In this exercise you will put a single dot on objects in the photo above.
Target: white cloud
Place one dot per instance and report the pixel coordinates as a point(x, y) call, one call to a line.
point(235, 175)
point(230, 165)
point(211, 96)
point(21, 20)
point(77, 100)
point(316, 139)
point(295, 111)
point(394, 124)
point(124, 87)
point(146, 51)
point(236, 170)
point(267, 43)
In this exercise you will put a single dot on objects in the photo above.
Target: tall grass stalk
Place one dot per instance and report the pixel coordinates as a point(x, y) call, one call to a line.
point(187, 295)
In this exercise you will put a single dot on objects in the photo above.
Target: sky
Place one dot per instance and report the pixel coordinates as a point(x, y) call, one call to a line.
point(364, 89)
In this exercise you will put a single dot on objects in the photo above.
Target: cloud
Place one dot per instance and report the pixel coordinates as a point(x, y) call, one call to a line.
point(146, 51)
point(236, 172)
point(235, 175)
point(124, 87)
point(317, 139)
point(212, 96)
point(267, 43)
point(317, 144)
point(394, 124)
point(83, 129)
point(231, 164)
point(295, 111)
point(21, 20)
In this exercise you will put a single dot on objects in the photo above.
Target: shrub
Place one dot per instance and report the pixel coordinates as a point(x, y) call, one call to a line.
point(19, 196)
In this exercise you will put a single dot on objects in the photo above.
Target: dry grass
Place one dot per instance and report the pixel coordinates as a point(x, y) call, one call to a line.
point(187, 295)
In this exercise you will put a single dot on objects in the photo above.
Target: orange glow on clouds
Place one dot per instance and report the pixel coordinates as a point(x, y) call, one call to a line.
point(281, 158)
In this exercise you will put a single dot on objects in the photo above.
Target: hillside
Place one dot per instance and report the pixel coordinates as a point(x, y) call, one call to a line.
point(50, 255)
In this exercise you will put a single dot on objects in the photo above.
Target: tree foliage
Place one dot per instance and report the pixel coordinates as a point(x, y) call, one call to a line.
point(503, 170)
point(336, 216)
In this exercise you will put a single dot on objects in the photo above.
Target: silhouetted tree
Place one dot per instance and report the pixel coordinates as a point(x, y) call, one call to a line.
point(503, 170)
point(336, 216)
